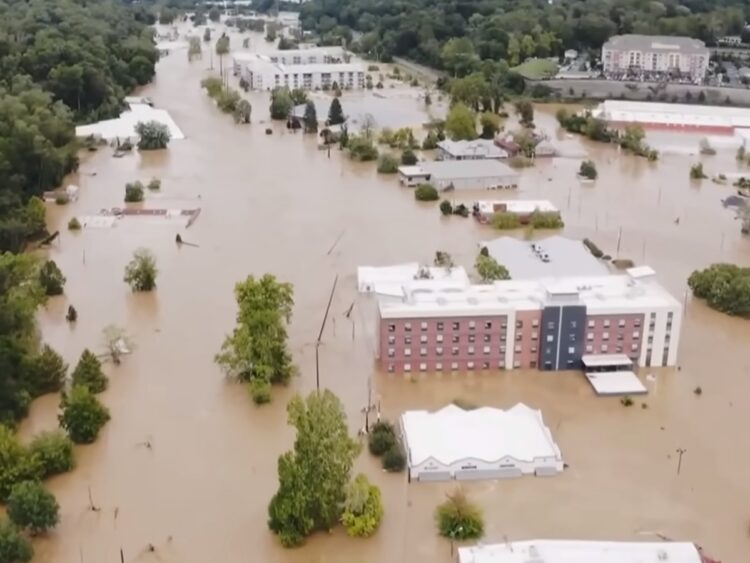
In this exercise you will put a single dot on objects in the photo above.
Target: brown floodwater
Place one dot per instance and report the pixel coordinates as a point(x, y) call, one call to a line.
point(277, 204)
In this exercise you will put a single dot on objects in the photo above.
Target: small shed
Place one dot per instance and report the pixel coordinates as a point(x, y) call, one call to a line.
point(412, 175)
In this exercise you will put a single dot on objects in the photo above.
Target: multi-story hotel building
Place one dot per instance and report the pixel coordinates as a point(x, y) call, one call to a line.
point(655, 54)
point(546, 324)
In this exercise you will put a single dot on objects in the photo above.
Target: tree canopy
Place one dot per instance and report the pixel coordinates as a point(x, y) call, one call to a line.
point(31, 506)
point(313, 476)
point(725, 287)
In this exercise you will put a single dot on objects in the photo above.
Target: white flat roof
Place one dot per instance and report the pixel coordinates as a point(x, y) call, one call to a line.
point(573, 551)
point(520, 206)
point(603, 360)
point(485, 148)
point(483, 168)
point(412, 171)
point(123, 127)
point(616, 383)
point(487, 434)
point(391, 280)
point(654, 112)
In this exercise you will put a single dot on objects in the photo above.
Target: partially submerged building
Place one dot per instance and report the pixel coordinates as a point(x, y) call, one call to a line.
point(262, 72)
point(483, 210)
point(483, 443)
point(123, 128)
point(575, 551)
point(460, 174)
point(469, 150)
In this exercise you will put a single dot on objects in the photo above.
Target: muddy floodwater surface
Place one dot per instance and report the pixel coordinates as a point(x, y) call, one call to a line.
point(277, 204)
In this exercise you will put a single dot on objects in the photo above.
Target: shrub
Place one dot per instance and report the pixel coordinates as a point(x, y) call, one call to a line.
point(504, 220)
point(133, 192)
point(408, 158)
point(696, 172)
point(53, 451)
point(464, 404)
point(445, 207)
point(16, 463)
point(140, 273)
point(31, 506)
point(47, 372)
point(698, 391)
point(72, 315)
point(520, 161)
point(82, 415)
point(14, 548)
point(152, 135)
point(459, 519)
point(260, 391)
point(546, 220)
point(89, 372)
point(213, 85)
point(461, 210)
point(74, 224)
point(387, 164)
point(381, 441)
point(363, 509)
point(626, 401)
point(489, 270)
point(51, 278)
point(361, 148)
point(62, 199)
point(725, 287)
point(394, 459)
point(430, 141)
point(426, 192)
point(588, 170)
point(154, 184)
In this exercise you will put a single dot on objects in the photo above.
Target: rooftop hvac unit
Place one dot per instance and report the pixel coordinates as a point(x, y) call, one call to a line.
point(662, 556)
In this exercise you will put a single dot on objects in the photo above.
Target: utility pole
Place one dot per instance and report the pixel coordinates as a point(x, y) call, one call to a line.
point(680, 452)
point(320, 334)
point(369, 407)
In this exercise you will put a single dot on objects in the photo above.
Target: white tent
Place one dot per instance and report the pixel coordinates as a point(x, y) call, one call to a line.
point(484, 443)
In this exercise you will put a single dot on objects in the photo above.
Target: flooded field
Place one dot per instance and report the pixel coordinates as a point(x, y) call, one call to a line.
point(277, 204)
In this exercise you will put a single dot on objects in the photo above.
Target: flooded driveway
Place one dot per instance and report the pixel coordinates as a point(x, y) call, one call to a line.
point(277, 204)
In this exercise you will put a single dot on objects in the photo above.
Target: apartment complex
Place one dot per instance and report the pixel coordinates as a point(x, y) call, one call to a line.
point(654, 55)
point(546, 324)
point(311, 56)
point(266, 72)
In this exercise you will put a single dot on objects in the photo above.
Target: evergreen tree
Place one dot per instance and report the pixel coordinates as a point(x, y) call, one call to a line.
point(89, 372)
point(335, 113)
point(311, 118)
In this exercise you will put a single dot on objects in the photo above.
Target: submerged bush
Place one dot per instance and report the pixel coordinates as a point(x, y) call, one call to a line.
point(459, 519)
point(394, 459)
point(53, 451)
point(426, 192)
point(387, 164)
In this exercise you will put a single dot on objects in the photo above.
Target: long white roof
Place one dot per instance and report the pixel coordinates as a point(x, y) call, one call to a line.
point(487, 434)
point(123, 127)
point(672, 114)
point(391, 280)
point(516, 205)
point(573, 551)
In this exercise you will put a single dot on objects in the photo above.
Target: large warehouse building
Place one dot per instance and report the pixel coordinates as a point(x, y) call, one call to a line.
point(484, 443)
point(460, 174)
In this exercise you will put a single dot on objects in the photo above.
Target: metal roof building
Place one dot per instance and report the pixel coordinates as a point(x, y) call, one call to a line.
point(460, 174)
point(470, 150)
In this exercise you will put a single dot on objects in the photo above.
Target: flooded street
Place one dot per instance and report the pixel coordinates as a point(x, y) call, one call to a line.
point(277, 204)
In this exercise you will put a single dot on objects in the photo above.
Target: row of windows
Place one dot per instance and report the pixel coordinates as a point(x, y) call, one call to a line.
point(620, 336)
point(456, 351)
point(472, 325)
point(457, 339)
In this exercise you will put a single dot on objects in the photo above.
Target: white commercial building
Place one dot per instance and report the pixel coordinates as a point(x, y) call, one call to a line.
point(573, 551)
point(656, 54)
point(469, 150)
point(483, 443)
point(123, 127)
point(311, 56)
point(262, 73)
point(460, 174)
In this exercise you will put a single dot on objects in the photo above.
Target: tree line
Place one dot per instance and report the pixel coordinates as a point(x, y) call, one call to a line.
point(61, 62)
point(509, 30)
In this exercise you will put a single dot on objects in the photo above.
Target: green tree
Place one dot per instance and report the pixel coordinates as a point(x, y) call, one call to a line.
point(46, 373)
point(222, 48)
point(242, 111)
point(335, 113)
point(394, 459)
point(588, 170)
point(313, 476)
point(82, 415)
point(14, 548)
point(140, 273)
point(299, 96)
point(214, 14)
point(32, 507)
point(53, 452)
point(51, 278)
point(725, 287)
point(408, 158)
point(363, 509)
point(213, 86)
point(446, 208)
point(490, 124)
point(207, 35)
point(459, 519)
point(134, 192)
point(89, 372)
point(16, 463)
point(696, 172)
point(152, 135)
point(281, 103)
point(311, 118)
point(458, 56)
point(257, 348)
point(471, 90)
point(525, 111)
point(489, 270)
point(194, 48)
point(461, 123)
point(381, 438)
point(443, 259)
point(387, 164)
point(426, 192)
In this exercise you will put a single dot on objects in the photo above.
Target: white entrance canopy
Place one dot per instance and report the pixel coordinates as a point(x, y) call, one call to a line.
point(571, 551)
point(484, 443)
point(606, 360)
point(616, 383)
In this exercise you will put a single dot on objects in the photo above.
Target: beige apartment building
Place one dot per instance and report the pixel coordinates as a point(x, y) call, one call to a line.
point(655, 55)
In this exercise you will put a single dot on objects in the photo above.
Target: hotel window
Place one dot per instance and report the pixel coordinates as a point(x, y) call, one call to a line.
point(535, 323)
point(501, 364)
point(470, 350)
point(407, 327)
point(423, 339)
point(439, 351)
point(519, 324)
point(438, 366)
point(634, 347)
point(571, 350)
point(439, 338)
point(407, 367)
point(636, 334)
point(605, 348)
point(504, 325)
point(592, 324)
point(456, 325)
point(605, 336)
point(486, 349)
point(517, 349)
point(550, 338)
point(589, 348)
point(533, 349)
point(637, 323)
point(620, 336)
point(572, 337)
point(618, 349)
point(606, 323)
point(621, 323)
point(532, 364)
point(485, 365)
point(455, 339)
point(440, 325)
point(391, 369)
point(422, 367)
point(573, 324)
point(454, 365)
point(503, 338)
point(548, 350)
point(469, 365)
point(407, 340)
point(590, 336)
point(534, 335)
point(391, 328)
point(391, 352)
point(472, 338)
point(423, 352)
point(472, 325)
point(407, 352)
point(486, 338)
point(423, 326)
point(518, 337)
point(391, 340)
point(517, 364)
point(550, 325)
point(502, 349)
point(454, 351)
point(488, 325)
